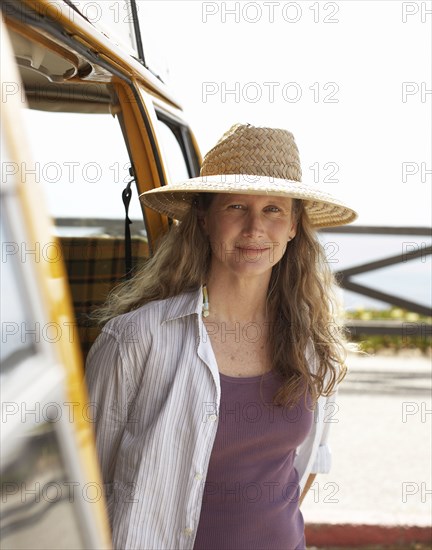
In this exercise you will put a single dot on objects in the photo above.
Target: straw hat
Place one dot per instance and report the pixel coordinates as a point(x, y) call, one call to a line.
point(253, 161)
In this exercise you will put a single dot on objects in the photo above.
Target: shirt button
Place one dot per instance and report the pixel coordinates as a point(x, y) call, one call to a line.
point(188, 531)
point(212, 418)
point(198, 476)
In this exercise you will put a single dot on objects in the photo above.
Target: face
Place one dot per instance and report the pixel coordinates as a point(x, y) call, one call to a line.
point(248, 233)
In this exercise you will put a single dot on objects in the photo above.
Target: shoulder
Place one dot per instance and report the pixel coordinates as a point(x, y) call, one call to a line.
point(123, 326)
point(129, 342)
point(125, 340)
point(150, 317)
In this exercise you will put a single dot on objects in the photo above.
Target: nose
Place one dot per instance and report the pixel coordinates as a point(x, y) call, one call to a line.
point(253, 225)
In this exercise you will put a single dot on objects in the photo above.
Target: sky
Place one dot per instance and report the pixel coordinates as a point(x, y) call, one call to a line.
point(351, 79)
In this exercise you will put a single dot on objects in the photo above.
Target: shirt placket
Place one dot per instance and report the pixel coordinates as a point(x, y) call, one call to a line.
point(209, 422)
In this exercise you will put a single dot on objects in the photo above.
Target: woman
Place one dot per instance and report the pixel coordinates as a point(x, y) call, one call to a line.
point(216, 371)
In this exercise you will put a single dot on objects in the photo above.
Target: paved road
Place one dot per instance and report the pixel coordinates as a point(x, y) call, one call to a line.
point(381, 445)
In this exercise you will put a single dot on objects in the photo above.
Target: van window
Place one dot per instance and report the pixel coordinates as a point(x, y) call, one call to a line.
point(82, 163)
point(175, 160)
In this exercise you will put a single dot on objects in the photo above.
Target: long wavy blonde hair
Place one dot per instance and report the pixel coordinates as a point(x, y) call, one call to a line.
point(301, 301)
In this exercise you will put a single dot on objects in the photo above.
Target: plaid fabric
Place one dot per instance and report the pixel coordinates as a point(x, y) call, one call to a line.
point(94, 266)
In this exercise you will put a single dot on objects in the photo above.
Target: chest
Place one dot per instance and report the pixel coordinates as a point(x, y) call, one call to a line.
point(251, 425)
point(240, 350)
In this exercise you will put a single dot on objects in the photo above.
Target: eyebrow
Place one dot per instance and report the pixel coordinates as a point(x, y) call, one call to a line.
point(267, 201)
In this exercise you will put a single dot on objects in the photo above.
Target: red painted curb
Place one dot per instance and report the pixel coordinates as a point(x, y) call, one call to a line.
point(325, 534)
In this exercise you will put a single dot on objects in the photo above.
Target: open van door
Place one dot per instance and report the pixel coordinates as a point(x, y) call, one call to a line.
point(51, 491)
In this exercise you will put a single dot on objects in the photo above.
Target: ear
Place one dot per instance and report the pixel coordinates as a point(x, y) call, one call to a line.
point(293, 231)
point(202, 222)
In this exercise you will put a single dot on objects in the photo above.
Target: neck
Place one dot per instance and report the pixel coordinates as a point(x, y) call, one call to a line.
point(237, 300)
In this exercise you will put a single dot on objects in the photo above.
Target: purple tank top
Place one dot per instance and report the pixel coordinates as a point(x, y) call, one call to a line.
point(251, 494)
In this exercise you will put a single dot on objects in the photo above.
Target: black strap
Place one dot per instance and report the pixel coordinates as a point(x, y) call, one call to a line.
point(126, 196)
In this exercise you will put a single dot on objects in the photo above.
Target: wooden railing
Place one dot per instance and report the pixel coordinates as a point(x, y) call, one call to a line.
point(344, 276)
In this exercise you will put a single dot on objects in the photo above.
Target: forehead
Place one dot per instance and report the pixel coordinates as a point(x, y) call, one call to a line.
point(256, 200)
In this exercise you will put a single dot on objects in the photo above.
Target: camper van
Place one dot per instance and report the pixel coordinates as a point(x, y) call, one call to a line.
point(86, 126)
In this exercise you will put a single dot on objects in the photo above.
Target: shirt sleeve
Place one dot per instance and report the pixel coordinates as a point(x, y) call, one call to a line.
point(108, 402)
point(322, 462)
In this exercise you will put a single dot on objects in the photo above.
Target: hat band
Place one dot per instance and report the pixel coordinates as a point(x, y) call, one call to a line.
point(269, 169)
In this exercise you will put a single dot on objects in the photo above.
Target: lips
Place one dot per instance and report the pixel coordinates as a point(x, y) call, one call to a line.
point(252, 249)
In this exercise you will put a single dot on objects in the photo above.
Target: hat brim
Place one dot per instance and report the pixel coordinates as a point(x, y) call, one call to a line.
point(175, 200)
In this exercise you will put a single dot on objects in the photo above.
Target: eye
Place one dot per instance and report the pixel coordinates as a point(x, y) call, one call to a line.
point(235, 206)
point(273, 209)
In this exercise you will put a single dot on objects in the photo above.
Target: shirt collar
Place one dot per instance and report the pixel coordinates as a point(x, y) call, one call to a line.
point(184, 304)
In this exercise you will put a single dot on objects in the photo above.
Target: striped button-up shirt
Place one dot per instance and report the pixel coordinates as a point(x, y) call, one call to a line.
point(154, 385)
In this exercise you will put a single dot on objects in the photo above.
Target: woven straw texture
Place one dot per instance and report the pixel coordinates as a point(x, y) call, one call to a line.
point(254, 161)
point(261, 152)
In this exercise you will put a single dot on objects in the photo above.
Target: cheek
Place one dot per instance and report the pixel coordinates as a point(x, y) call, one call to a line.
point(284, 249)
point(220, 229)
point(280, 232)
point(216, 238)
point(282, 237)
point(212, 232)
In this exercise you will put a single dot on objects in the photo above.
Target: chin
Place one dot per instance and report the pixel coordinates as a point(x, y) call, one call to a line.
point(252, 269)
